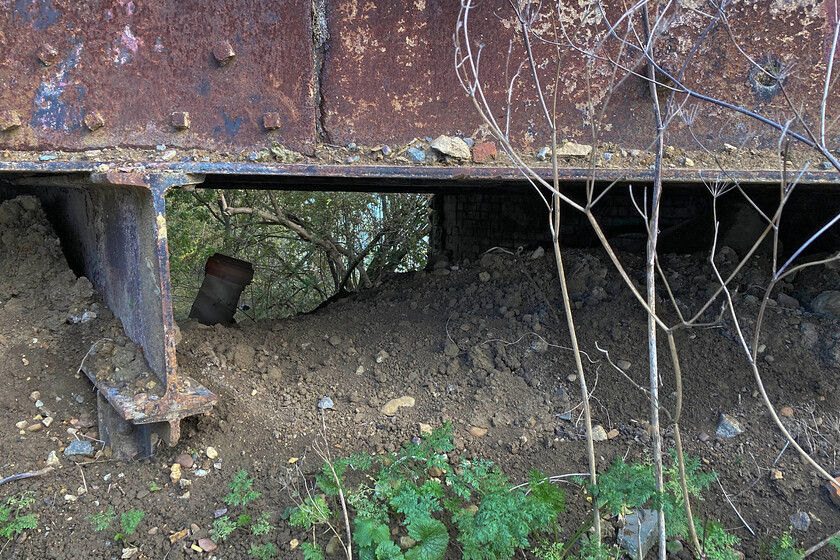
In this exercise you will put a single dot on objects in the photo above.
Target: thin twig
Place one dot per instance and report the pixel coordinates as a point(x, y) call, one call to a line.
point(738, 513)
point(21, 476)
point(820, 544)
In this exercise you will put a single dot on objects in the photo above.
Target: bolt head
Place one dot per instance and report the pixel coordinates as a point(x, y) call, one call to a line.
point(180, 120)
point(94, 121)
point(272, 121)
point(47, 54)
point(223, 52)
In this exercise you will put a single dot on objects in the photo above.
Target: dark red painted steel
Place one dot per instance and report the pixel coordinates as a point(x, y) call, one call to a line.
point(390, 73)
point(230, 76)
point(134, 63)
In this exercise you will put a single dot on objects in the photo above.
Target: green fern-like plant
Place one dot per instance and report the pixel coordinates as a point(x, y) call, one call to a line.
point(716, 542)
point(102, 520)
point(415, 487)
point(12, 519)
point(263, 551)
point(241, 491)
point(783, 547)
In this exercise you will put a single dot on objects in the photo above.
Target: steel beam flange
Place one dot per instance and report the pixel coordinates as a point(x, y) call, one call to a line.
point(114, 228)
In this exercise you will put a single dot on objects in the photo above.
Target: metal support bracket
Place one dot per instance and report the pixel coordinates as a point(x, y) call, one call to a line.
point(113, 228)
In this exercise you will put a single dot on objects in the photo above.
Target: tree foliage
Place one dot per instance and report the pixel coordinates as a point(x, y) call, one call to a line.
point(305, 246)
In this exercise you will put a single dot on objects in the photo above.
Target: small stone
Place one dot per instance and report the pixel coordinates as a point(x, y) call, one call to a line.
point(47, 422)
point(544, 153)
point(36, 427)
point(451, 146)
point(334, 547)
point(211, 452)
point(386, 150)
point(786, 411)
point(787, 301)
point(623, 364)
point(175, 472)
point(325, 403)
point(612, 434)
point(142, 494)
point(185, 460)
point(79, 448)
point(407, 542)
point(52, 459)
point(35, 396)
point(728, 426)
point(475, 431)
point(435, 472)
point(571, 378)
point(80, 399)
point(800, 521)
point(381, 356)
point(776, 474)
point(484, 152)
point(207, 544)
point(599, 433)
point(730, 148)
point(827, 302)
point(425, 428)
point(391, 407)
point(573, 149)
point(640, 528)
point(200, 473)
point(703, 436)
point(688, 162)
point(674, 547)
point(484, 276)
point(21, 425)
point(294, 543)
point(334, 340)
point(415, 155)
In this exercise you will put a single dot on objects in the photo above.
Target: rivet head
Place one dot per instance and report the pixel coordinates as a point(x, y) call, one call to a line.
point(47, 54)
point(9, 120)
point(272, 121)
point(94, 121)
point(223, 52)
point(180, 120)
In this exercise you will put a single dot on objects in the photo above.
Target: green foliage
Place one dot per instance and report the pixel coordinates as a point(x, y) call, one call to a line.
point(103, 519)
point(312, 551)
point(313, 511)
point(154, 486)
point(432, 539)
point(241, 494)
point(12, 519)
point(240, 490)
point(783, 547)
point(835, 542)
point(263, 551)
point(716, 542)
point(417, 487)
point(292, 274)
point(223, 527)
point(130, 519)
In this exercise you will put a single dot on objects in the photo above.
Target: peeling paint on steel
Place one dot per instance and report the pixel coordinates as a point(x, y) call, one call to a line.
point(136, 63)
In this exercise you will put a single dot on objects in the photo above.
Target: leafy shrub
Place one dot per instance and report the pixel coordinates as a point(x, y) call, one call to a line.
point(418, 488)
point(12, 519)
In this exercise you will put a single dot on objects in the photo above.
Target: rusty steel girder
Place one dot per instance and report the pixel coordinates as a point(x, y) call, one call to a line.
point(82, 74)
point(114, 227)
point(233, 76)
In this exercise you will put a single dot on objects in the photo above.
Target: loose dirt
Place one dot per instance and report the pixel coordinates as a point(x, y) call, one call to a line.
point(478, 344)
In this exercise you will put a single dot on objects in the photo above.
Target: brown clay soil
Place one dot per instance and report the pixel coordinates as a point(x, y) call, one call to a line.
point(474, 343)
